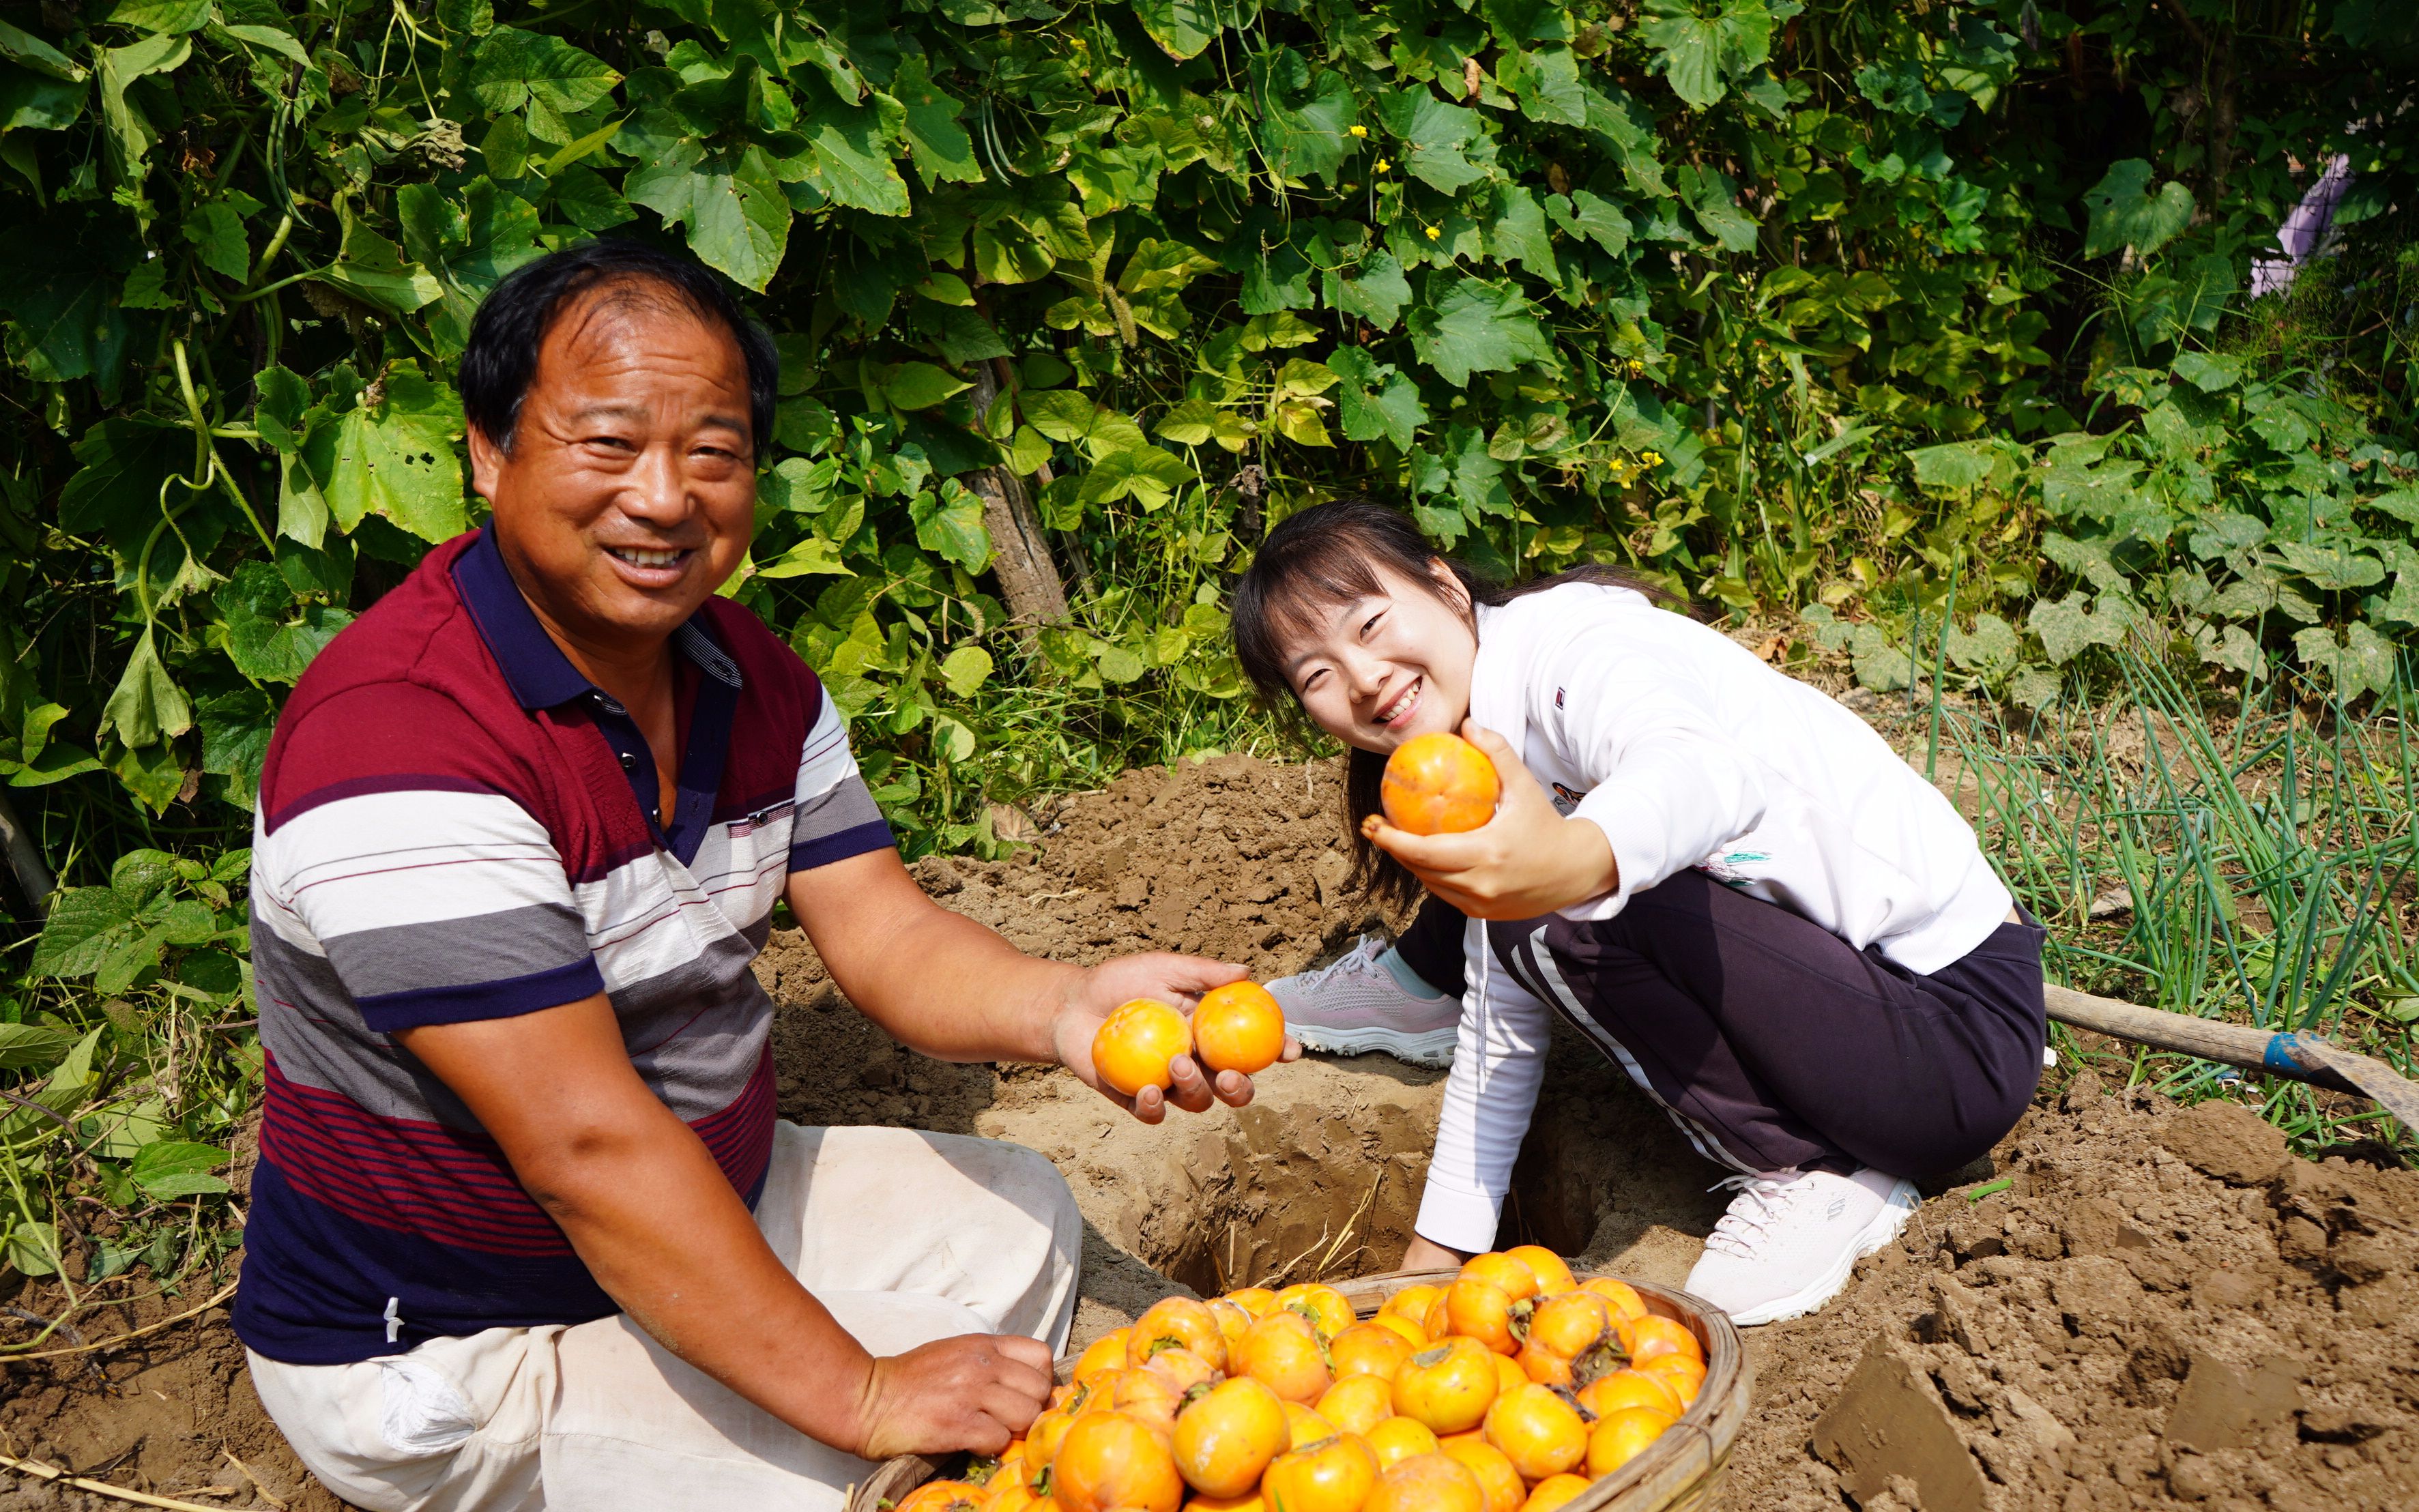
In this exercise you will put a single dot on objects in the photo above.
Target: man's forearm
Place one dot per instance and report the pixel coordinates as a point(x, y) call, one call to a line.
point(948, 986)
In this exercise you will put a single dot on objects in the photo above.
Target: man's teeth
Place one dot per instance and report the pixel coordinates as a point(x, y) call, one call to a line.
point(638, 558)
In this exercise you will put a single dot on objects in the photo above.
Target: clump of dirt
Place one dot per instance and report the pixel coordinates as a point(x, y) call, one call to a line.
point(173, 1414)
point(2160, 1307)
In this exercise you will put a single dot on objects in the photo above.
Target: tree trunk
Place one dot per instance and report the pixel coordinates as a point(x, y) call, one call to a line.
point(24, 858)
point(1020, 548)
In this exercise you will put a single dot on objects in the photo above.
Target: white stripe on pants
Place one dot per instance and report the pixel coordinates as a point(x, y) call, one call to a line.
point(907, 1237)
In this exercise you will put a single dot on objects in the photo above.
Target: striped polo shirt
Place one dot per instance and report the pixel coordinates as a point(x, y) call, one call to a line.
point(455, 824)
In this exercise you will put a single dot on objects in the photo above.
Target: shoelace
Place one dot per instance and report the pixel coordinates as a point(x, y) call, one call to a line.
point(1767, 1196)
point(1360, 961)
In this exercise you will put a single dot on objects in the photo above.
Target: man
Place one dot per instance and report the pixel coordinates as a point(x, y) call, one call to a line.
point(520, 834)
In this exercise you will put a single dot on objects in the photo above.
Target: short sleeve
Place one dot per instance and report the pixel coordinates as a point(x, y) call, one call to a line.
point(394, 847)
point(837, 817)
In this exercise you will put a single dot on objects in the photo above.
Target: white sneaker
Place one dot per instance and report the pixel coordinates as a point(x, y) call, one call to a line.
point(1791, 1239)
point(1365, 1001)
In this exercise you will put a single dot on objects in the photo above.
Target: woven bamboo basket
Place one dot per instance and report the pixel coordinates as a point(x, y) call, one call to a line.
point(1681, 1472)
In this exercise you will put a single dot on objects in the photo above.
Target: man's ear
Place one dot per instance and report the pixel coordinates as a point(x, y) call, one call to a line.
point(486, 465)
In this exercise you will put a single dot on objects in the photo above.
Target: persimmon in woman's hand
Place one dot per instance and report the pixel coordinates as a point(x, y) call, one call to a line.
point(1439, 784)
point(1526, 861)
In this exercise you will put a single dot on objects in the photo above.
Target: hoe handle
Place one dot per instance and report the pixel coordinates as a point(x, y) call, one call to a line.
point(2302, 1056)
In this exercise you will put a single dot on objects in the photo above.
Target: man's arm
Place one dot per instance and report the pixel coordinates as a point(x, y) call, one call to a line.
point(659, 1227)
point(946, 986)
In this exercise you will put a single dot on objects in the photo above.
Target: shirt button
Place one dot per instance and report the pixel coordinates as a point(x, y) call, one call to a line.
point(629, 763)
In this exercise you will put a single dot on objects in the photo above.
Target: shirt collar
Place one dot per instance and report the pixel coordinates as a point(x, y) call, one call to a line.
point(535, 668)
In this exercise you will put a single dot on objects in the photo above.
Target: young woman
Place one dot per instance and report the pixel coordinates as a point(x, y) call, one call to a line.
point(1729, 883)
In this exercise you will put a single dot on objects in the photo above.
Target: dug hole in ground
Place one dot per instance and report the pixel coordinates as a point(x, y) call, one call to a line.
point(2160, 1307)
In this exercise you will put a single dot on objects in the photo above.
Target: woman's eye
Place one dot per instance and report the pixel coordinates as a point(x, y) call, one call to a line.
point(1371, 623)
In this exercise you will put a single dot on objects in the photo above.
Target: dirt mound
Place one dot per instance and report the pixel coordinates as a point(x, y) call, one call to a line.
point(2160, 1307)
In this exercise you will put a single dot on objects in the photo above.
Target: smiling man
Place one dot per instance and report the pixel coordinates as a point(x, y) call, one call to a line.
point(525, 1230)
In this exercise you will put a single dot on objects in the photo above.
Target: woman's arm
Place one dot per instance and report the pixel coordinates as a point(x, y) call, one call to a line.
point(1498, 1066)
point(1666, 787)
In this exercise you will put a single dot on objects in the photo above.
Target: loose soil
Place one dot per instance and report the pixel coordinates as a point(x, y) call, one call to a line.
point(2160, 1307)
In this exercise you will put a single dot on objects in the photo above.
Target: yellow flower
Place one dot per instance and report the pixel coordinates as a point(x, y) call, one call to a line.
point(1434, 233)
point(1652, 459)
point(1360, 130)
point(1636, 367)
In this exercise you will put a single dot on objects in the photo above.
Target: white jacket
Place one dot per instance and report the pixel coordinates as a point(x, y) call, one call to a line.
point(1687, 752)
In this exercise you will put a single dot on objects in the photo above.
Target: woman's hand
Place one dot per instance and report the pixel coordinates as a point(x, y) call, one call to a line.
point(1179, 980)
point(1525, 861)
point(1427, 1255)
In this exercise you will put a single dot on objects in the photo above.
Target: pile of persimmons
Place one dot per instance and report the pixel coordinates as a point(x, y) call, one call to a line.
point(1508, 1390)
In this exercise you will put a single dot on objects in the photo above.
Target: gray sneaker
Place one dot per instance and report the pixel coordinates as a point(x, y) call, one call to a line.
point(1365, 1001)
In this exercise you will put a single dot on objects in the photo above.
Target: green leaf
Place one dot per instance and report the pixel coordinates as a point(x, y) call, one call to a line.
point(514, 68)
point(83, 926)
point(1180, 27)
point(1438, 140)
point(393, 456)
point(33, 1248)
point(2331, 567)
point(2068, 626)
point(1957, 465)
point(814, 556)
point(373, 268)
point(852, 163)
point(1377, 296)
point(2402, 503)
point(173, 1168)
point(939, 146)
point(67, 321)
point(950, 522)
point(277, 414)
point(217, 235)
point(169, 16)
point(263, 642)
point(920, 386)
point(738, 220)
point(235, 731)
point(1990, 649)
point(1598, 220)
point(1477, 327)
point(26, 1047)
point(1373, 400)
point(130, 133)
point(2362, 661)
point(147, 705)
point(965, 669)
point(27, 50)
point(32, 102)
point(1701, 54)
point(1712, 196)
point(2207, 373)
point(2127, 211)
point(1518, 234)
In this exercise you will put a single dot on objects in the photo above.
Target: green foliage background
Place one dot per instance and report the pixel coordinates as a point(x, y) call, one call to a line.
point(1926, 317)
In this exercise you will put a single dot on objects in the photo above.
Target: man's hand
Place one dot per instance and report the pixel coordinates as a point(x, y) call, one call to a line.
point(974, 1392)
point(1525, 861)
point(1427, 1255)
point(1179, 981)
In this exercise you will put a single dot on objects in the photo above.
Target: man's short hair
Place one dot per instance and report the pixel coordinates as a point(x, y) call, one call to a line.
point(501, 361)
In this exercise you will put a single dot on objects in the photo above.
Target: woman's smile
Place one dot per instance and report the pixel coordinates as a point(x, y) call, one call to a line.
point(1402, 705)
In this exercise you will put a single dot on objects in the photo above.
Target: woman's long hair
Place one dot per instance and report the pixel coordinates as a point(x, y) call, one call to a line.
point(1331, 554)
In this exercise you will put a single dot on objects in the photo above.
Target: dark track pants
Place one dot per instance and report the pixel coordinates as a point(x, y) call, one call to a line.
point(1767, 1038)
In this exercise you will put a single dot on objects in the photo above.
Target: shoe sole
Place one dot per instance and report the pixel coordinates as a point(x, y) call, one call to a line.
point(1885, 1227)
point(1434, 1048)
